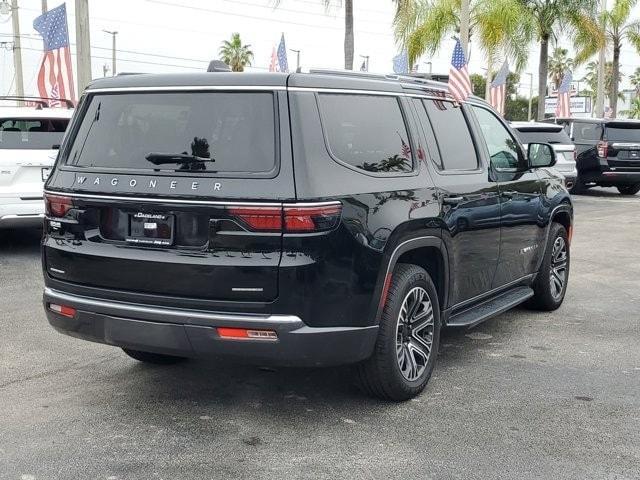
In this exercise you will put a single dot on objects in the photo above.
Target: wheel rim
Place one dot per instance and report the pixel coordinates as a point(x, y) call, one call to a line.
point(414, 333)
point(558, 273)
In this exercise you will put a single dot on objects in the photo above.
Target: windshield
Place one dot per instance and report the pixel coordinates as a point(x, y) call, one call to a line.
point(551, 135)
point(623, 134)
point(197, 132)
point(31, 133)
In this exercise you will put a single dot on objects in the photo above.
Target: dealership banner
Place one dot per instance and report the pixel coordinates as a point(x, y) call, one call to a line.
point(578, 104)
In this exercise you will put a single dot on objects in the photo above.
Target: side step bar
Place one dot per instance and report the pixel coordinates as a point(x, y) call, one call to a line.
point(472, 316)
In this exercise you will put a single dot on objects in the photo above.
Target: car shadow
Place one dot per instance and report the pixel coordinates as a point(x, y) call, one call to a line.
point(25, 240)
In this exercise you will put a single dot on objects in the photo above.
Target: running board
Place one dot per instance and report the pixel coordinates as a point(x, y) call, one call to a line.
point(472, 316)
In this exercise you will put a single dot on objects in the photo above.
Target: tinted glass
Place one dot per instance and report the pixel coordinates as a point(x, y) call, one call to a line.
point(367, 132)
point(195, 132)
point(587, 131)
point(618, 134)
point(503, 148)
point(558, 136)
point(452, 135)
point(35, 133)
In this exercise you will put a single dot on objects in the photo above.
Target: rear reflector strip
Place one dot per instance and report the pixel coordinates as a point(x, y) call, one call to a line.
point(63, 310)
point(246, 334)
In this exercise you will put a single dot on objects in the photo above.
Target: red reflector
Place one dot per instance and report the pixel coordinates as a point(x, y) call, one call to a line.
point(570, 234)
point(385, 290)
point(244, 333)
point(259, 218)
point(603, 148)
point(312, 218)
point(57, 206)
point(63, 310)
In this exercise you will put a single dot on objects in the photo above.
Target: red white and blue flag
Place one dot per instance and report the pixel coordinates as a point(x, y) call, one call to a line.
point(55, 78)
point(283, 63)
point(459, 81)
point(498, 90)
point(563, 107)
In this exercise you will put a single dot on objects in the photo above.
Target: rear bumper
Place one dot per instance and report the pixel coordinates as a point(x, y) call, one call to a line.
point(193, 333)
point(611, 177)
point(21, 213)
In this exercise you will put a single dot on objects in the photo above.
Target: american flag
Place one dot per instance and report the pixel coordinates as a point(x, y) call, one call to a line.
point(273, 65)
point(55, 78)
point(563, 107)
point(282, 56)
point(498, 89)
point(401, 62)
point(459, 81)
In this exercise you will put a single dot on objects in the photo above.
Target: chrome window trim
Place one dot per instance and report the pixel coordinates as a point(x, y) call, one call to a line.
point(190, 88)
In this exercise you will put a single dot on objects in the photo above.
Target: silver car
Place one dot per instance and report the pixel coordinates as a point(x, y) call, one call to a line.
point(534, 132)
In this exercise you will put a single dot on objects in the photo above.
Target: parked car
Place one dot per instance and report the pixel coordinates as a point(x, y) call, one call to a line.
point(29, 138)
point(297, 219)
point(557, 137)
point(608, 152)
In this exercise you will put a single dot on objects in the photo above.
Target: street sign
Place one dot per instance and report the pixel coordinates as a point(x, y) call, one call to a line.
point(578, 104)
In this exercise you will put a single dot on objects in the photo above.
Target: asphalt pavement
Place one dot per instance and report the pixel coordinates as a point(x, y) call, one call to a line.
point(524, 395)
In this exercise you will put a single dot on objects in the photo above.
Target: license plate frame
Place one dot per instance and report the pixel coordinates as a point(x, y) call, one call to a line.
point(152, 229)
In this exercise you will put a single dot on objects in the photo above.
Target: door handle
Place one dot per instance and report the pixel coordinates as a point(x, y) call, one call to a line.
point(452, 200)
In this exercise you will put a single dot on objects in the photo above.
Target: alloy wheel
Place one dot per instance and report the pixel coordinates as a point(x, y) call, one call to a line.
point(558, 273)
point(414, 333)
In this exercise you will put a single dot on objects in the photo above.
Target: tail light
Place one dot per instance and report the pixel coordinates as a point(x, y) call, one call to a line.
point(603, 148)
point(56, 205)
point(294, 218)
point(63, 310)
point(246, 334)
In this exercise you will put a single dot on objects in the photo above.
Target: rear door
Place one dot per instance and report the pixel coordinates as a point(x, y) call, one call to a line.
point(174, 194)
point(623, 146)
point(27, 152)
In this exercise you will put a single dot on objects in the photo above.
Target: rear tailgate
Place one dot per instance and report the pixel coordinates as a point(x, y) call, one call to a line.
point(207, 226)
point(623, 145)
point(23, 172)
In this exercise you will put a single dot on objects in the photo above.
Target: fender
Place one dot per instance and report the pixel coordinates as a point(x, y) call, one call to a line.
point(563, 207)
point(402, 247)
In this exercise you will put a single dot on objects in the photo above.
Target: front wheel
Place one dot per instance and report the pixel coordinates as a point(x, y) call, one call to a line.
point(629, 189)
point(407, 344)
point(550, 285)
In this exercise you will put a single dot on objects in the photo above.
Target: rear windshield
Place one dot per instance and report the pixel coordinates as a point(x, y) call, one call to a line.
point(557, 135)
point(623, 134)
point(31, 133)
point(205, 132)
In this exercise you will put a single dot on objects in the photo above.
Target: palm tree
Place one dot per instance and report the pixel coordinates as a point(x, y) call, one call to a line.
point(235, 54)
point(559, 63)
point(635, 80)
point(498, 26)
point(634, 111)
point(618, 28)
point(591, 79)
point(348, 28)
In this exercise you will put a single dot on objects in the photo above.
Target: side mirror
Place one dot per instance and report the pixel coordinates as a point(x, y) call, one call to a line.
point(541, 155)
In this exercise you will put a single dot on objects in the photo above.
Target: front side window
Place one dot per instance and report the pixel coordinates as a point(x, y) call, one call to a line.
point(457, 151)
point(202, 132)
point(31, 133)
point(366, 132)
point(504, 151)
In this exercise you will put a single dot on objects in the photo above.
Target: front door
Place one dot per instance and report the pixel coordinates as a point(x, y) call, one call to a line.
point(522, 227)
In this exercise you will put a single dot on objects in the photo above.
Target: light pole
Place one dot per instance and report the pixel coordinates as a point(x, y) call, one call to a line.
point(530, 95)
point(297, 52)
point(113, 50)
point(601, 72)
point(366, 62)
point(430, 67)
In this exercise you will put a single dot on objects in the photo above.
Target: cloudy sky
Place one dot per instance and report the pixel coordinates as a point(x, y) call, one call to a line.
point(183, 35)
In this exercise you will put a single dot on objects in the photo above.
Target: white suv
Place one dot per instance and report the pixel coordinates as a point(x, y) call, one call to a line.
point(29, 139)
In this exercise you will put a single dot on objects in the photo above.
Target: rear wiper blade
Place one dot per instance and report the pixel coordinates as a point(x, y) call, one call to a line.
point(167, 158)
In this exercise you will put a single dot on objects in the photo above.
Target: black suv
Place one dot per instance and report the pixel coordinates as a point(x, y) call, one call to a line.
point(608, 152)
point(304, 220)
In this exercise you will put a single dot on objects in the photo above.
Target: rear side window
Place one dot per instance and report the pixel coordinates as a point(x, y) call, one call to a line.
point(623, 134)
point(542, 135)
point(202, 132)
point(31, 133)
point(587, 131)
point(457, 151)
point(367, 132)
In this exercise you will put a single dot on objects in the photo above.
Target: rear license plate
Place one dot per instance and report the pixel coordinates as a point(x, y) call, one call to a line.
point(45, 173)
point(151, 229)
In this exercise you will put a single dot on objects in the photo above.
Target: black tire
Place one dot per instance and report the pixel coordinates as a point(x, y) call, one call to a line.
point(382, 374)
point(547, 295)
point(578, 187)
point(154, 358)
point(628, 189)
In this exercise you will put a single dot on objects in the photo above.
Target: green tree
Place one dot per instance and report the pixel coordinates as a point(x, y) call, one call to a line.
point(635, 80)
point(591, 79)
point(516, 108)
point(618, 29)
point(634, 111)
point(235, 54)
point(495, 25)
point(559, 63)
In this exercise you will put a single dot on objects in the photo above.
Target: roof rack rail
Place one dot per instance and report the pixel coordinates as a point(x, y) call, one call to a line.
point(43, 102)
point(416, 78)
point(349, 73)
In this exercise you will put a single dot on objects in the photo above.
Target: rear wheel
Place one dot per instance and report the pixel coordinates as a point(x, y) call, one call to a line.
point(550, 286)
point(407, 344)
point(629, 189)
point(155, 358)
point(578, 186)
